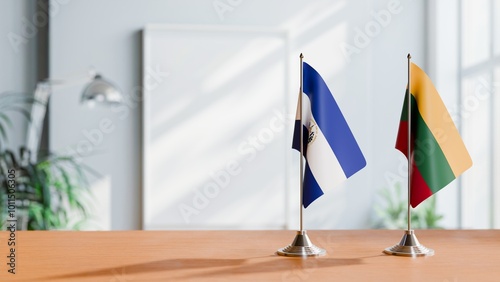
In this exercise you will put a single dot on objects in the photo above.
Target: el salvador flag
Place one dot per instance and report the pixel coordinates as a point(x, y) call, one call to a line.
point(331, 152)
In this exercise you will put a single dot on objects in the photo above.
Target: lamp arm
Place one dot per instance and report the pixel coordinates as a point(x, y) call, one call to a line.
point(57, 83)
point(38, 110)
point(99, 88)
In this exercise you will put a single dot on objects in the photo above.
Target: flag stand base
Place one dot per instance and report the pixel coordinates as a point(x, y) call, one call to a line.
point(409, 247)
point(301, 247)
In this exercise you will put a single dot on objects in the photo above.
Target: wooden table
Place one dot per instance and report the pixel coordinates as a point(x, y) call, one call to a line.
point(461, 255)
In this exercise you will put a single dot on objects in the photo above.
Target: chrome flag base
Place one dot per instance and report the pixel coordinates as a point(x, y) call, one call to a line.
point(409, 247)
point(301, 247)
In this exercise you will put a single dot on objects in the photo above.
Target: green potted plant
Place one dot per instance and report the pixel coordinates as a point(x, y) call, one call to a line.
point(392, 213)
point(49, 193)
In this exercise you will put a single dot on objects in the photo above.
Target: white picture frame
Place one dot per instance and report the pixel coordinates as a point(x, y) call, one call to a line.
point(216, 127)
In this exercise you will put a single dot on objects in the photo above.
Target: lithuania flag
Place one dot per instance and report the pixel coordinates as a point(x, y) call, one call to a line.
point(438, 153)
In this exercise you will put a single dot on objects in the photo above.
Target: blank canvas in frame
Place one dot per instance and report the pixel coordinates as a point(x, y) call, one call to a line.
point(214, 127)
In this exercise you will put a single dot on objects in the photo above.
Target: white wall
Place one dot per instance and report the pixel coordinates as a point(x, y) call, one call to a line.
point(369, 87)
point(18, 57)
point(443, 64)
point(467, 90)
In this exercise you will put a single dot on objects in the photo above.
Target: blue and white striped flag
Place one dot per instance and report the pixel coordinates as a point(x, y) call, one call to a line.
point(331, 152)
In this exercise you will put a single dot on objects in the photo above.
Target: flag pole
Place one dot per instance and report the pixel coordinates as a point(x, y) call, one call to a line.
point(409, 140)
point(301, 146)
point(409, 246)
point(301, 245)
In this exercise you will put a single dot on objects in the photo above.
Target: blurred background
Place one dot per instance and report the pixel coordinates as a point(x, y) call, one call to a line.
point(201, 138)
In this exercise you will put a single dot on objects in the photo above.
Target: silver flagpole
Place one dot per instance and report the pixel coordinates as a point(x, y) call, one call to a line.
point(301, 245)
point(301, 144)
point(409, 245)
point(409, 140)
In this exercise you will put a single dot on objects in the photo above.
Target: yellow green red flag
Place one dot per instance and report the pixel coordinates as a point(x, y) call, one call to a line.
point(438, 154)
